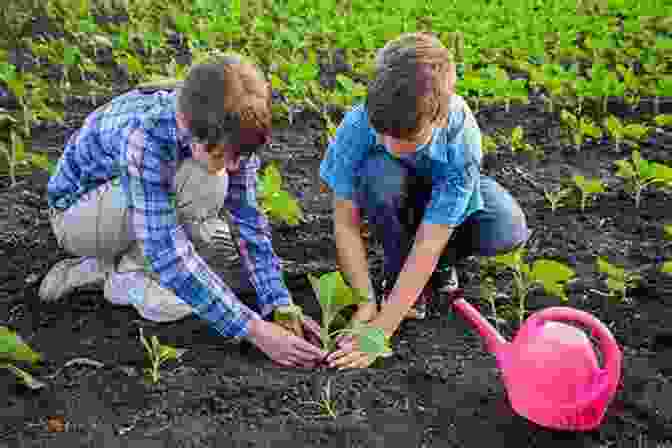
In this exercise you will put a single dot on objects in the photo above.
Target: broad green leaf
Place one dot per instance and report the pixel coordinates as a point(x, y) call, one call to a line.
point(668, 231)
point(335, 294)
point(372, 340)
point(13, 348)
point(167, 352)
point(625, 169)
point(667, 267)
point(612, 271)
point(636, 131)
point(615, 285)
point(288, 313)
point(663, 120)
point(662, 172)
point(552, 275)
point(511, 259)
point(25, 377)
point(19, 147)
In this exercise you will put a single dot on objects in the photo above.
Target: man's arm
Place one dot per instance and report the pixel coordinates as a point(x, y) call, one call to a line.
point(166, 246)
point(254, 232)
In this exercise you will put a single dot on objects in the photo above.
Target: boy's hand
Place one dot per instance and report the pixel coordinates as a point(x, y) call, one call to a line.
point(365, 313)
point(283, 346)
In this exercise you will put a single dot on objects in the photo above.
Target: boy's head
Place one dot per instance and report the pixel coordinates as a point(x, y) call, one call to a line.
point(226, 105)
point(410, 92)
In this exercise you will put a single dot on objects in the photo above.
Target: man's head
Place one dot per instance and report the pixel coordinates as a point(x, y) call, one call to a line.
point(226, 105)
point(410, 92)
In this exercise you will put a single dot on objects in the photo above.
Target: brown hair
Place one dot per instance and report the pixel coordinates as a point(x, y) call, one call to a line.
point(227, 100)
point(409, 89)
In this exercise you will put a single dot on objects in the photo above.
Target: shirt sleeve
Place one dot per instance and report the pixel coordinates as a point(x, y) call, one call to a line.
point(454, 183)
point(254, 238)
point(148, 179)
point(337, 169)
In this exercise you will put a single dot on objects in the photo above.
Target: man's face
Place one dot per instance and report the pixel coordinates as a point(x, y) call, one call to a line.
point(403, 146)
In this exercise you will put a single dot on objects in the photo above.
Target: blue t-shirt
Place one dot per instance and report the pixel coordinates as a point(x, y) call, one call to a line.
point(452, 160)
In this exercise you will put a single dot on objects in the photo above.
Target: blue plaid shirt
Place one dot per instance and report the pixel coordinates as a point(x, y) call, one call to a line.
point(135, 138)
point(452, 160)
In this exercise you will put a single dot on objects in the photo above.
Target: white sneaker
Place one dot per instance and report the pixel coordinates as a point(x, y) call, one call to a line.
point(153, 301)
point(69, 274)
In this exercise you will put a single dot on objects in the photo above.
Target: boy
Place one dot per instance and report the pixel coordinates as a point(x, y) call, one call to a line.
point(142, 182)
point(410, 158)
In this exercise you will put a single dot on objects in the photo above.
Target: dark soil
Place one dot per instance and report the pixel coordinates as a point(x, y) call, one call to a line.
point(440, 389)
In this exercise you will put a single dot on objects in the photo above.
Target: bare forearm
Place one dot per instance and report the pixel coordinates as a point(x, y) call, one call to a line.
point(351, 253)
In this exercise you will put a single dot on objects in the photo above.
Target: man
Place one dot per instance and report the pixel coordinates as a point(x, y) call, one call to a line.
point(142, 182)
point(410, 158)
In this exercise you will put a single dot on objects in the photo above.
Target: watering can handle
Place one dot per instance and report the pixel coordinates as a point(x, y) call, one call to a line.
point(608, 345)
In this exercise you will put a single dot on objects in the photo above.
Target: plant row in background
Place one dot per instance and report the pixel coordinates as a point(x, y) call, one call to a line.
point(614, 49)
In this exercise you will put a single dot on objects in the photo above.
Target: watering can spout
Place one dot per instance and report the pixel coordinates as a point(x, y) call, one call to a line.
point(494, 341)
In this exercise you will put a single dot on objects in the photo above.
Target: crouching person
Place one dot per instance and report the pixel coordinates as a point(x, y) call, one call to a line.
point(409, 160)
point(141, 184)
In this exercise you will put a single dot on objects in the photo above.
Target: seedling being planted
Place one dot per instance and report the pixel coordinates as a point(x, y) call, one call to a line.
point(550, 274)
point(12, 350)
point(579, 128)
point(632, 133)
point(276, 202)
point(158, 354)
point(587, 188)
point(334, 296)
point(640, 173)
point(618, 281)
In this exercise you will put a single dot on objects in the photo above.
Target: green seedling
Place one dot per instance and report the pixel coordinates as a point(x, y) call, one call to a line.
point(158, 354)
point(325, 404)
point(663, 120)
point(640, 173)
point(668, 231)
point(489, 144)
point(578, 129)
point(334, 296)
point(618, 281)
point(279, 204)
point(550, 274)
point(588, 188)
point(555, 197)
point(632, 84)
point(663, 89)
point(666, 268)
point(12, 350)
point(489, 293)
point(632, 133)
point(518, 142)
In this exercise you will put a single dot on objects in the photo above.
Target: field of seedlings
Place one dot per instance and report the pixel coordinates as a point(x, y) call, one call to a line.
point(574, 100)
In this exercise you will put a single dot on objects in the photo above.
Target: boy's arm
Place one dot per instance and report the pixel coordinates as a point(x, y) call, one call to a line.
point(254, 238)
point(430, 241)
point(351, 252)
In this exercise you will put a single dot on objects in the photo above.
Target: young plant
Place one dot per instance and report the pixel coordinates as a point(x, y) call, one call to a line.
point(618, 281)
point(325, 404)
point(518, 142)
point(587, 188)
point(158, 354)
point(489, 293)
point(578, 129)
point(550, 274)
point(12, 350)
point(632, 133)
point(279, 204)
point(555, 197)
point(663, 120)
point(640, 173)
point(334, 296)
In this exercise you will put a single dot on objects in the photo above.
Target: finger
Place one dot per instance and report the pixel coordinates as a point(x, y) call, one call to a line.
point(305, 347)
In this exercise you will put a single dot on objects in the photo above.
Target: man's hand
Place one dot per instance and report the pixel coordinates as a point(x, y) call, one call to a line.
point(283, 346)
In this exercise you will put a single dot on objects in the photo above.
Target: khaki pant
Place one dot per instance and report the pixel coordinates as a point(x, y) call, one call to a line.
point(98, 226)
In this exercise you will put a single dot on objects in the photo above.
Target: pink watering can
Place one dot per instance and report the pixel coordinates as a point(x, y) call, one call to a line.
point(550, 370)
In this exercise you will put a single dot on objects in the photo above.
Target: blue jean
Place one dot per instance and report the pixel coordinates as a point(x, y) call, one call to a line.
point(394, 198)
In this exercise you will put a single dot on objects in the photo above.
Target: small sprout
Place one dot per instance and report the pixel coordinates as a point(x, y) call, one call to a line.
point(587, 188)
point(555, 197)
point(618, 281)
point(518, 142)
point(663, 120)
point(579, 128)
point(158, 354)
point(621, 132)
point(13, 349)
point(640, 173)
